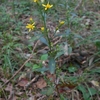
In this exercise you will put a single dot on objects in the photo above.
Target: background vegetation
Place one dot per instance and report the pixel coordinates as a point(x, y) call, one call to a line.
point(27, 69)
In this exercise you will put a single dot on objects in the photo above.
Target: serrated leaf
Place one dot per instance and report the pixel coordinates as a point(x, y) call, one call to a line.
point(52, 65)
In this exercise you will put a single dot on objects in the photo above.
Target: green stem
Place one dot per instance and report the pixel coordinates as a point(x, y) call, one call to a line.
point(45, 26)
point(46, 32)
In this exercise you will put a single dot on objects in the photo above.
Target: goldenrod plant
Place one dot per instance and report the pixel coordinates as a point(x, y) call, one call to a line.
point(43, 9)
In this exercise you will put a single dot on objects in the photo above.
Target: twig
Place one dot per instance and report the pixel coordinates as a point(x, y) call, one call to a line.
point(28, 84)
point(79, 4)
point(17, 71)
point(77, 94)
point(21, 66)
point(57, 41)
point(4, 93)
point(11, 96)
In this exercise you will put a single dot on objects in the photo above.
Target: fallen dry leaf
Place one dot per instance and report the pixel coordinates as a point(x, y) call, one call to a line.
point(19, 93)
point(9, 88)
point(23, 82)
point(32, 98)
point(12, 96)
point(95, 83)
point(52, 77)
point(41, 83)
point(2, 99)
point(3, 80)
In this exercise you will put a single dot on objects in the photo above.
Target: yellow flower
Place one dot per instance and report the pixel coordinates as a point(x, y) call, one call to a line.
point(35, 0)
point(30, 26)
point(42, 28)
point(47, 6)
point(61, 22)
point(31, 19)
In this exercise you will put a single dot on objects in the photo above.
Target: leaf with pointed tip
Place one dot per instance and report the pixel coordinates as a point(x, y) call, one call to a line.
point(36, 37)
point(43, 40)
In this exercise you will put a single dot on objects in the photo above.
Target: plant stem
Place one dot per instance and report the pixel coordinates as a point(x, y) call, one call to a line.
point(46, 33)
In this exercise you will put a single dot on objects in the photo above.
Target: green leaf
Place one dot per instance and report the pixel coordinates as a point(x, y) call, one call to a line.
point(36, 67)
point(52, 65)
point(93, 91)
point(96, 70)
point(97, 43)
point(43, 40)
point(72, 79)
point(43, 69)
point(28, 64)
point(86, 95)
point(59, 54)
point(48, 91)
point(62, 97)
point(44, 57)
point(72, 69)
point(69, 50)
point(36, 37)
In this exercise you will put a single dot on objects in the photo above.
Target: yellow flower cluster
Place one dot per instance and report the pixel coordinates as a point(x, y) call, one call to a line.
point(47, 6)
point(30, 26)
point(42, 28)
point(61, 22)
point(31, 19)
